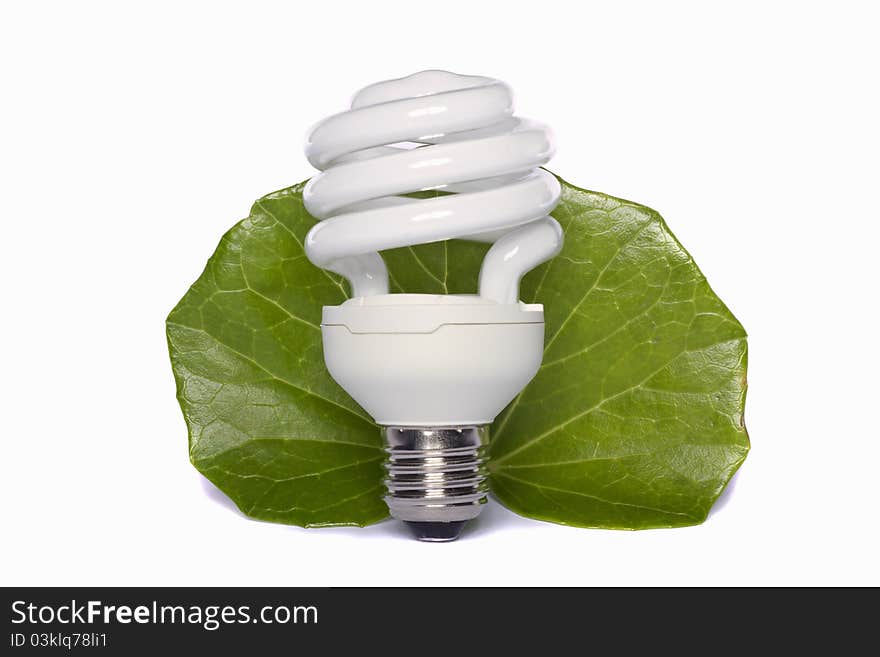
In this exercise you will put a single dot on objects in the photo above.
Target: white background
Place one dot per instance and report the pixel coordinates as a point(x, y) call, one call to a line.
point(132, 138)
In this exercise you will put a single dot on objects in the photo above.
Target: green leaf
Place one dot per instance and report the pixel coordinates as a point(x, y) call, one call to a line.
point(635, 419)
point(267, 424)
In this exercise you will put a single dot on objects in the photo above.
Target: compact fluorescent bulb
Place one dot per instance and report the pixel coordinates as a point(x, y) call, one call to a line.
point(433, 370)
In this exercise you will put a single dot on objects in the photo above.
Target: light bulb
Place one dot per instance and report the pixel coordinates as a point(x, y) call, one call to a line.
point(433, 370)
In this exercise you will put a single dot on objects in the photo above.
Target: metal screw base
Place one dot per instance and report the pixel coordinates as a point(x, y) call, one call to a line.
point(436, 478)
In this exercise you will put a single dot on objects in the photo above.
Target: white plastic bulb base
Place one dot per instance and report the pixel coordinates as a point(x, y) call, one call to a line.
point(435, 371)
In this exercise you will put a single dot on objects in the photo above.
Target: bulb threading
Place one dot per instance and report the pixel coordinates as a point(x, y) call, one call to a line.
point(436, 474)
